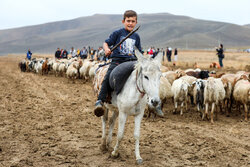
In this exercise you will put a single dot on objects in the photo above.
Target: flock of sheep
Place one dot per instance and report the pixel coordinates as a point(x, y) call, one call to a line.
point(203, 88)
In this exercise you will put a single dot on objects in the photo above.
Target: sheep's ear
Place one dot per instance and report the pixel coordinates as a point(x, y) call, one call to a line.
point(139, 56)
point(158, 58)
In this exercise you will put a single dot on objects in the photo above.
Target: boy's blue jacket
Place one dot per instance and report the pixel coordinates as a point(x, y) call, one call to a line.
point(127, 49)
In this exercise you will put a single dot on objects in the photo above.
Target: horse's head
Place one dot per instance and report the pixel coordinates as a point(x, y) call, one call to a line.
point(148, 77)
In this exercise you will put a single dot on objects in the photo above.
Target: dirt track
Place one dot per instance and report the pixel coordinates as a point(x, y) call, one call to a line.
point(48, 121)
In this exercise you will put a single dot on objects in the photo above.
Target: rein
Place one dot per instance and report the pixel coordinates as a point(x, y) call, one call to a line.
point(142, 92)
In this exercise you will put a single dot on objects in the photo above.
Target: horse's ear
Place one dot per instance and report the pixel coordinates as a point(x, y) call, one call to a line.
point(139, 55)
point(158, 58)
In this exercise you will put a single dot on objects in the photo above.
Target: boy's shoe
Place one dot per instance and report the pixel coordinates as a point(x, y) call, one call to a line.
point(99, 110)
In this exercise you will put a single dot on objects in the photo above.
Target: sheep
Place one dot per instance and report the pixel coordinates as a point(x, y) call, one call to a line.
point(38, 66)
point(214, 93)
point(198, 92)
point(190, 80)
point(62, 69)
point(55, 67)
point(171, 75)
point(99, 77)
point(22, 65)
point(92, 69)
point(72, 72)
point(180, 91)
point(215, 75)
point(45, 69)
point(164, 69)
point(84, 70)
point(199, 74)
point(228, 96)
point(241, 93)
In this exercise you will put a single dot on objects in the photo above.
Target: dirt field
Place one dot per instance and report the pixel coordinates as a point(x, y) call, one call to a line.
point(47, 121)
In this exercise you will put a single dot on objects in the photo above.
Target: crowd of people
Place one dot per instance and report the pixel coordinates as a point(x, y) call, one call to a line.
point(83, 53)
point(91, 53)
point(166, 53)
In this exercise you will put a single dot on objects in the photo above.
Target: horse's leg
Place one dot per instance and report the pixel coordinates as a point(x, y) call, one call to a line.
point(111, 127)
point(121, 125)
point(104, 121)
point(138, 119)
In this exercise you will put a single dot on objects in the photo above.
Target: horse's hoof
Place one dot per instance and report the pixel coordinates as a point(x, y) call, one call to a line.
point(114, 154)
point(139, 161)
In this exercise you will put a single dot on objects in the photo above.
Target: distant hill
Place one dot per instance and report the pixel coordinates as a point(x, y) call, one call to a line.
point(159, 30)
point(247, 25)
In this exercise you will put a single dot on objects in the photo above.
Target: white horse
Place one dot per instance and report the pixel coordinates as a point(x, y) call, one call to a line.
point(141, 87)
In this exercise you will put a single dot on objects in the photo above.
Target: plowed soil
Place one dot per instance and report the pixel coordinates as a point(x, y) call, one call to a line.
point(48, 121)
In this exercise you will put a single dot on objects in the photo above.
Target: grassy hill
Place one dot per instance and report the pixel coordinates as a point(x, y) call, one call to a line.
point(159, 30)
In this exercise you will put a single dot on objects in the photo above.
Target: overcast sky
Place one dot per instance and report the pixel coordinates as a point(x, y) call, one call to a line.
point(18, 13)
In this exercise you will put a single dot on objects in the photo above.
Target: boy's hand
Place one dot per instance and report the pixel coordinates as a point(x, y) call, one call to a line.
point(107, 51)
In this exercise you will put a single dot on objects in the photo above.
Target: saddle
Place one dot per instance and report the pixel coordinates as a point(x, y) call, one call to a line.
point(120, 74)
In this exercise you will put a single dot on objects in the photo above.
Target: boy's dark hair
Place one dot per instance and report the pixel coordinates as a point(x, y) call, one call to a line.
point(129, 13)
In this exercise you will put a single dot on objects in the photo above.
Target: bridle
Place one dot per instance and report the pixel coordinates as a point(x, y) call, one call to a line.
point(142, 92)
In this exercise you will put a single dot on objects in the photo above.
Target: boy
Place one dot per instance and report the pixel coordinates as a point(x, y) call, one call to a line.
point(123, 53)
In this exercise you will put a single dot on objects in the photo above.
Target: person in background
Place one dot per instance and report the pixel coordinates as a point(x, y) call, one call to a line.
point(73, 52)
point(175, 56)
point(220, 53)
point(29, 54)
point(58, 53)
point(168, 54)
point(84, 53)
point(163, 52)
point(65, 54)
point(151, 51)
point(101, 54)
point(92, 53)
point(78, 52)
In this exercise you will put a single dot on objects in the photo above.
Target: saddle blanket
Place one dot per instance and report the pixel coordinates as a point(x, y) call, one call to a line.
point(120, 74)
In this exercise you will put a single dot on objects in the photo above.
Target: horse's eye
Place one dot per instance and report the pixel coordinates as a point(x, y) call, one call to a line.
point(145, 77)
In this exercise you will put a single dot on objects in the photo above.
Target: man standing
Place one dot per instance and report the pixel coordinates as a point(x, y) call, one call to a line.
point(58, 53)
point(29, 54)
point(220, 53)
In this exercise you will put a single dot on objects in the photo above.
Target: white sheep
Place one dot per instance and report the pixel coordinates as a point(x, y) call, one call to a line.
point(72, 72)
point(84, 70)
point(214, 93)
point(55, 67)
point(180, 91)
point(190, 80)
point(62, 69)
point(173, 75)
point(92, 69)
point(241, 94)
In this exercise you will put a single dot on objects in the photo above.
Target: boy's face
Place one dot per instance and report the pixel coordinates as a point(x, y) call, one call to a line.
point(130, 23)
